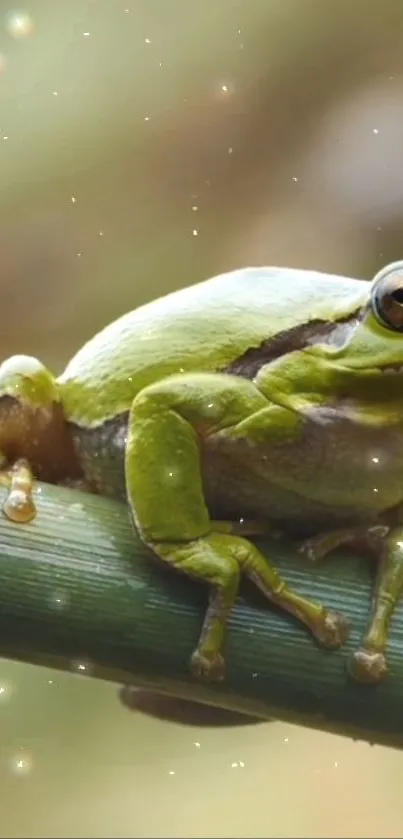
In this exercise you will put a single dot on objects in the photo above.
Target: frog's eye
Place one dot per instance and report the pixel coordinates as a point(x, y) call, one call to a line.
point(387, 297)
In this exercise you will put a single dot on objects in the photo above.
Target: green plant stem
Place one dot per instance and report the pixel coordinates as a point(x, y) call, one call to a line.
point(79, 592)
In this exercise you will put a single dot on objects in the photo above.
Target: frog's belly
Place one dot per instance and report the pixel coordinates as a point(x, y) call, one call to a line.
point(101, 455)
point(337, 472)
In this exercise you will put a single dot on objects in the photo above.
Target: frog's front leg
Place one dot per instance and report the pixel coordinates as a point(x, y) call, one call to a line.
point(368, 664)
point(19, 505)
point(165, 491)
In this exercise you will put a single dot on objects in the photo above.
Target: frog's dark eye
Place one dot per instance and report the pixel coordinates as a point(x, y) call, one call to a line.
point(387, 297)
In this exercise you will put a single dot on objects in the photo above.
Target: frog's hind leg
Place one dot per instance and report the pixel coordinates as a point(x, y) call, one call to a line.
point(164, 488)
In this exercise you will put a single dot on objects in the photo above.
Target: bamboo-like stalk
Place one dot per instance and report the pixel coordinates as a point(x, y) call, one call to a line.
point(79, 591)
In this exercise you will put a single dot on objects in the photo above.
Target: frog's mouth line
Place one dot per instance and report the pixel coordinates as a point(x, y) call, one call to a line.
point(390, 368)
point(333, 334)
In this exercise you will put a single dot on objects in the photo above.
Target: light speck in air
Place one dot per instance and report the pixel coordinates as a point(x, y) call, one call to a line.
point(19, 24)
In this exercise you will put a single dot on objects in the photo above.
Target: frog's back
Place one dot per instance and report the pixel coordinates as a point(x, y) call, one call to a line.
point(204, 327)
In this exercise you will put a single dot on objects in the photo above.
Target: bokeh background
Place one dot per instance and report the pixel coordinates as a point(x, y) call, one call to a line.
point(145, 145)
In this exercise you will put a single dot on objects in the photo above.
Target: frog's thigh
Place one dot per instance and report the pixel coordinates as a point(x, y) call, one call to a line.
point(164, 487)
point(165, 423)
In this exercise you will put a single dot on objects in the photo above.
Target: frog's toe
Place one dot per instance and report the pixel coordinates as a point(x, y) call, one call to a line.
point(313, 550)
point(210, 667)
point(333, 630)
point(367, 666)
point(19, 507)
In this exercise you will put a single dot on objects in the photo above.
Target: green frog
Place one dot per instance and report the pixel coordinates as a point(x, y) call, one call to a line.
point(263, 397)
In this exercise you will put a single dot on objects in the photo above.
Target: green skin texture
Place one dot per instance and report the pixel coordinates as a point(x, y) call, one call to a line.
point(311, 442)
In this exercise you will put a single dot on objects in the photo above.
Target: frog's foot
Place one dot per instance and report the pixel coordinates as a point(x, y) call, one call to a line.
point(19, 506)
point(331, 630)
point(207, 666)
point(313, 550)
point(368, 666)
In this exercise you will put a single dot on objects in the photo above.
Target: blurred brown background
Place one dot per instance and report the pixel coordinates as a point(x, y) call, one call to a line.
point(145, 145)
